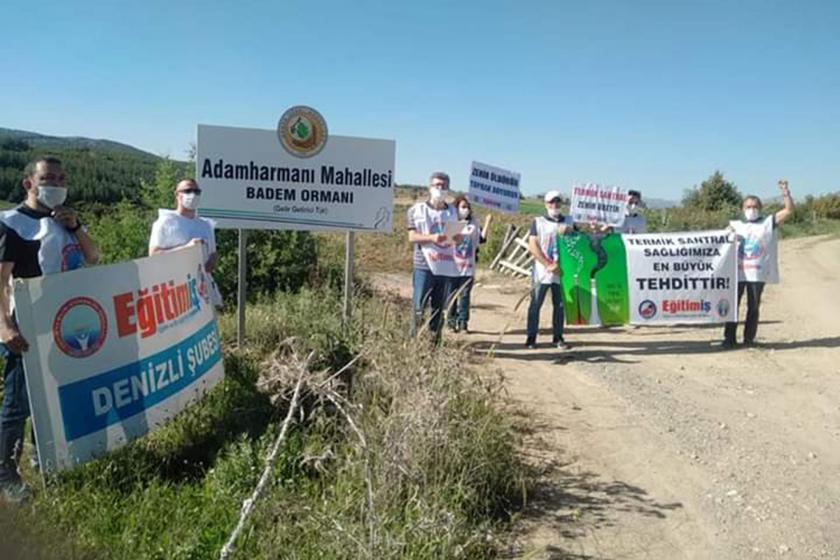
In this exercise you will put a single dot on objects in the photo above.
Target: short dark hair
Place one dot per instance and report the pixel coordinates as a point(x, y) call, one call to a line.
point(752, 197)
point(32, 166)
point(439, 175)
point(637, 194)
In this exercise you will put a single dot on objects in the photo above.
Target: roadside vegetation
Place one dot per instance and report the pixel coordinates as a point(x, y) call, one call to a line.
point(399, 450)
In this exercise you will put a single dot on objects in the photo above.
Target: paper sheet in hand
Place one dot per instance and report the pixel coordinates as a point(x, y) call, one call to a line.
point(451, 229)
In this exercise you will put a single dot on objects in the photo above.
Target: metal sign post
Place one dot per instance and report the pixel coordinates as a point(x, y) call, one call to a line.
point(348, 275)
point(241, 289)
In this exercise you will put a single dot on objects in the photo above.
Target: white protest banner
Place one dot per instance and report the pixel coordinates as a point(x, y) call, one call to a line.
point(250, 180)
point(688, 277)
point(115, 351)
point(593, 203)
point(494, 188)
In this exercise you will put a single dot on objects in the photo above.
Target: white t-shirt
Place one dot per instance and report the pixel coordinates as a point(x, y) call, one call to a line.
point(545, 229)
point(437, 257)
point(172, 230)
point(758, 254)
point(465, 251)
point(633, 223)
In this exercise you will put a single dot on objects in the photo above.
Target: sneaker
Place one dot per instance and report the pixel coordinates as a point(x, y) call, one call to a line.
point(750, 344)
point(561, 344)
point(15, 492)
point(463, 328)
point(530, 344)
point(727, 344)
point(453, 328)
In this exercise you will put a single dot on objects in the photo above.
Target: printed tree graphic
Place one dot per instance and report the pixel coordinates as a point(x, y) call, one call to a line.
point(300, 129)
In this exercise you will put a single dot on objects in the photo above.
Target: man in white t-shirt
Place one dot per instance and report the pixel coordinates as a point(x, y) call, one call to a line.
point(757, 237)
point(183, 227)
point(542, 244)
point(434, 254)
point(634, 221)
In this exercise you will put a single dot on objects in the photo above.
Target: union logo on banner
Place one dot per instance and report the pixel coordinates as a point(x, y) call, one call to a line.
point(647, 309)
point(751, 248)
point(80, 327)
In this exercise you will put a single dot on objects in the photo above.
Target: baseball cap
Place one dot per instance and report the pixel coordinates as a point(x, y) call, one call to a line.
point(552, 195)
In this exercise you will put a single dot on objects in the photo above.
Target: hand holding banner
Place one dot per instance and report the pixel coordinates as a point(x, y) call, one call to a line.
point(594, 204)
point(115, 351)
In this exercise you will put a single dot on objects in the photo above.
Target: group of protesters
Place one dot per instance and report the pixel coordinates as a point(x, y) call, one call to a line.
point(442, 283)
point(44, 236)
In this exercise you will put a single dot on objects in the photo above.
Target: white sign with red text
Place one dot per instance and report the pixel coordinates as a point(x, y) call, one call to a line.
point(596, 204)
point(115, 351)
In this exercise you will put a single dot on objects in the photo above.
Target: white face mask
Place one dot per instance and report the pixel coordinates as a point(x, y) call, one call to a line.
point(435, 194)
point(554, 212)
point(463, 213)
point(51, 196)
point(190, 200)
point(632, 207)
point(751, 214)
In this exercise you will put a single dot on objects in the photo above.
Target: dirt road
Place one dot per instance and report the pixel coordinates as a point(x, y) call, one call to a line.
point(654, 443)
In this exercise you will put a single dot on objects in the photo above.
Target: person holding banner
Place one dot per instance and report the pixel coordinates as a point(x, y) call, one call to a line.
point(41, 236)
point(542, 244)
point(634, 222)
point(181, 227)
point(466, 253)
point(431, 224)
point(758, 263)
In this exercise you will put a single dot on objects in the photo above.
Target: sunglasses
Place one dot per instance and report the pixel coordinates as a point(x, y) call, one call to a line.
point(191, 191)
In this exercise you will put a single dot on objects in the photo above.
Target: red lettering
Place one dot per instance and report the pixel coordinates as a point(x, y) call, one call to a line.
point(124, 311)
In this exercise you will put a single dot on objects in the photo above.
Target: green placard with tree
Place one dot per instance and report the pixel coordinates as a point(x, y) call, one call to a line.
point(594, 264)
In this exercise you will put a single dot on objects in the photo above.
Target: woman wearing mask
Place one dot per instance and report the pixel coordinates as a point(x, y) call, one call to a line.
point(757, 258)
point(466, 253)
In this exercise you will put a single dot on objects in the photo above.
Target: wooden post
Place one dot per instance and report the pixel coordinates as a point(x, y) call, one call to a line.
point(241, 289)
point(510, 235)
point(348, 275)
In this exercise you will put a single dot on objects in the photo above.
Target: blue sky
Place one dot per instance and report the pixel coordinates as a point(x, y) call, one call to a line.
point(645, 94)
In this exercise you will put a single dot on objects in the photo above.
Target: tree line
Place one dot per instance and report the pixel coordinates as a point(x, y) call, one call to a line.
point(102, 176)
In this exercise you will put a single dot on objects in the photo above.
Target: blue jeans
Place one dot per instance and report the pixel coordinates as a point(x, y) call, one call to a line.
point(459, 307)
point(429, 290)
point(538, 292)
point(14, 414)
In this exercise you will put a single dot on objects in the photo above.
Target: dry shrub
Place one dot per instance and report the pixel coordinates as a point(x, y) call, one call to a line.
point(424, 464)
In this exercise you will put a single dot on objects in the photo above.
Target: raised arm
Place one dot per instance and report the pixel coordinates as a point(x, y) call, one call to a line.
point(785, 212)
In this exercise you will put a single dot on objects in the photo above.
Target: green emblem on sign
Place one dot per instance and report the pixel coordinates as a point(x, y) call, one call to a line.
point(302, 131)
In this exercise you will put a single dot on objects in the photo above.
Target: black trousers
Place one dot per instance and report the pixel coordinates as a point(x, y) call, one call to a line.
point(753, 290)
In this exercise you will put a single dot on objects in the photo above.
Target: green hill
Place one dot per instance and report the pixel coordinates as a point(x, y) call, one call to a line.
point(37, 140)
point(101, 171)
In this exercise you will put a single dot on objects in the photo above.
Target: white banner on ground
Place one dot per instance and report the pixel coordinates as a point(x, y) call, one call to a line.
point(115, 351)
point(688, 277)
point(494, 188)
point(250, 181)
point(593, 203)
